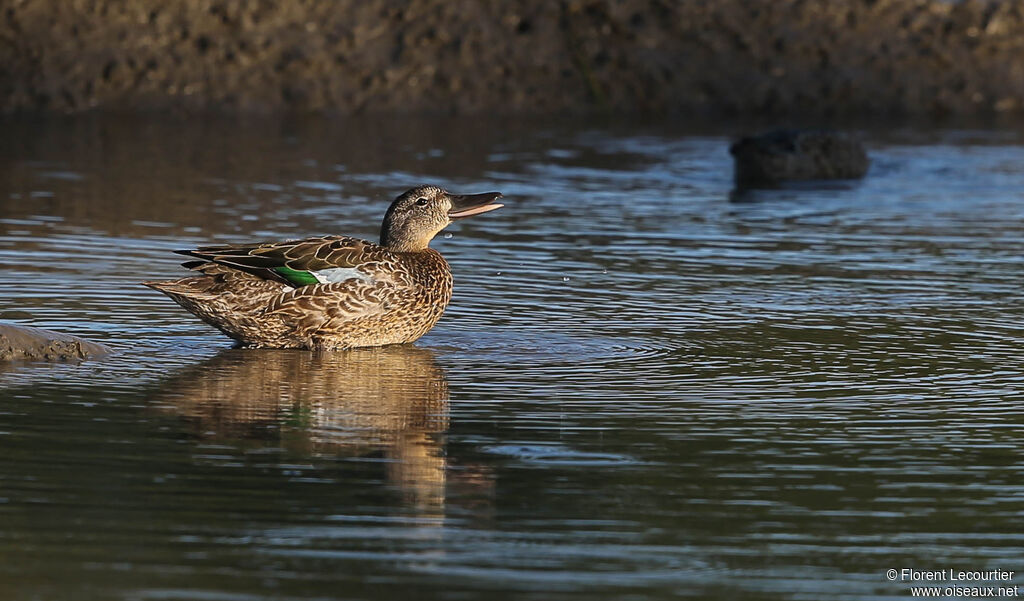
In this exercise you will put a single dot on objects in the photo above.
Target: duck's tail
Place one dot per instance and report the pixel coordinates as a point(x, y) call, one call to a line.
point(233, 302)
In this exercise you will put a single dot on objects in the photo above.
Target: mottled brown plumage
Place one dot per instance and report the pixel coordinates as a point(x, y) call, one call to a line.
point(331, 292)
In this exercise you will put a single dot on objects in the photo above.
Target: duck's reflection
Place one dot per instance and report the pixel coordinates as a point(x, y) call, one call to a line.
point(392, 400)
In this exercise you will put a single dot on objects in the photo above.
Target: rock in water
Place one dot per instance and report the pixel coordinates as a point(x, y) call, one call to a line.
point(25, 342)
point(798, 154)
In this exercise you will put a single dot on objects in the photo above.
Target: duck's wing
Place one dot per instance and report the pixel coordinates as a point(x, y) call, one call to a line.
point(323, 260)
point(313, 310)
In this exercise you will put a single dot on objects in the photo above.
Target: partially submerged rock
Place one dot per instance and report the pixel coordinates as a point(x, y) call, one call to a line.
point(798, 154)
point(25, 342)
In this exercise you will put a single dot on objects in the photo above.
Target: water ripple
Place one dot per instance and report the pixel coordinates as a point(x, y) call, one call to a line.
point(648, 384)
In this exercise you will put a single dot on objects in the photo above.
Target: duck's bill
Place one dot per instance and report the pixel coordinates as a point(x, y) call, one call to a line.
point(473, 204)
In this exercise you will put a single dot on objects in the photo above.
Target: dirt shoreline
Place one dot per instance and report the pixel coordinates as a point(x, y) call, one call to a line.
point(730, 57)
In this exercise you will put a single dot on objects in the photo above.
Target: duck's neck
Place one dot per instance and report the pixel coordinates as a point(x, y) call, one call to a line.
point(404, 244)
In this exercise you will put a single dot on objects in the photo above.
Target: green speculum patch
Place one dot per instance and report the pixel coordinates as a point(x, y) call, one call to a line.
point(299, 278)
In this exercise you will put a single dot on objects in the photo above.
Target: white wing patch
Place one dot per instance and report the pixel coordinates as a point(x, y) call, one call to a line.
point(340, 274)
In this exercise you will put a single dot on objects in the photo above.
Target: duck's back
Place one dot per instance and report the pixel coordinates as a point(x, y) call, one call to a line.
point(320, 293)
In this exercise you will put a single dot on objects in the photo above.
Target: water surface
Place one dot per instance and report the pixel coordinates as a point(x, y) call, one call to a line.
point(649, 385)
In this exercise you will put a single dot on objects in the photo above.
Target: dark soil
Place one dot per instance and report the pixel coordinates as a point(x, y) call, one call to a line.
point(726, 57)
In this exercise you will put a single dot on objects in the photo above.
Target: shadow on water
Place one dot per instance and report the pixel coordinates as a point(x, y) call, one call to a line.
point(806, 191)
point(391, 401)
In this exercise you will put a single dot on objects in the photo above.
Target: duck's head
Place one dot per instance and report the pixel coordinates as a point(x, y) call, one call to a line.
point(415, 217)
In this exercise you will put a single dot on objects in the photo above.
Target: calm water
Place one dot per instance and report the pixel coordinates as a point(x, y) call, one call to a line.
point(648, 385)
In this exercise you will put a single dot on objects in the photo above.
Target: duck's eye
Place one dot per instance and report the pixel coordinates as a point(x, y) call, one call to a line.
point(421, 202)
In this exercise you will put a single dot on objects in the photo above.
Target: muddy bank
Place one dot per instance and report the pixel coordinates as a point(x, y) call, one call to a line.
point(25, 342)
point(920, 57)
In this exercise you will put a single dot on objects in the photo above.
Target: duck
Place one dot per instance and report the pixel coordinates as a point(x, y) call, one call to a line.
point(331, 292)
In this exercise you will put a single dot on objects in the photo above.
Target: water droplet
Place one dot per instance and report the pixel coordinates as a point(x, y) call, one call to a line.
point(565, 279)
point(448, 235)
